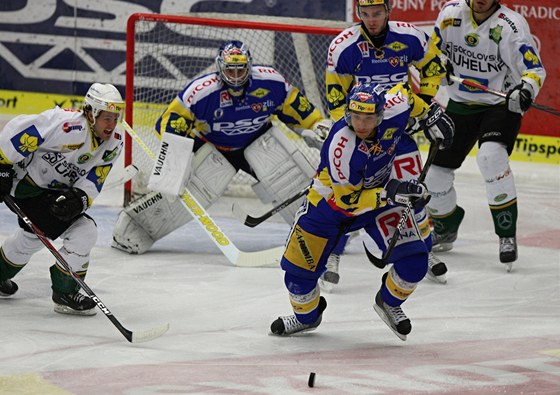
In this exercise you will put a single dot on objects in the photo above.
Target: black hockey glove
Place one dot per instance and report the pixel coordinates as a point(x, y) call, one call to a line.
point(69, 204)
point(520, 98)
point(438, 125)
point(449, 72)
point(401, 192)
point(6, 180)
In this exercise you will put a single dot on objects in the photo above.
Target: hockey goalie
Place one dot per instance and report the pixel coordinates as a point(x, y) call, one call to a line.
point(219, 124)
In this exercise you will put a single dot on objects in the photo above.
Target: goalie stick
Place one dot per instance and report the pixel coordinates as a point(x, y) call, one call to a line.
point(476, 85)
point(270, 257)
point(133, 337)
point(382, 262)
point(251, 221)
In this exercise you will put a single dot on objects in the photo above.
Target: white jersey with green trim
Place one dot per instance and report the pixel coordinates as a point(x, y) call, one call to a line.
point(56, 150)
point(498, 53)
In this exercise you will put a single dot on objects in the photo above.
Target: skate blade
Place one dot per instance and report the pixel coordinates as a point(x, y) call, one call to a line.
point(385, 319)
point(61, 309)
point(442, 247)
point(441, 279)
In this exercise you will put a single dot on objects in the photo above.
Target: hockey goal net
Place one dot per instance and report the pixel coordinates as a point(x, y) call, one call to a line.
point(165, 53)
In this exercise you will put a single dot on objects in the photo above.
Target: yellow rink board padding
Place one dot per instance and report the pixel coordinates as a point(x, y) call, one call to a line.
point(528, 148)
point(29, 384)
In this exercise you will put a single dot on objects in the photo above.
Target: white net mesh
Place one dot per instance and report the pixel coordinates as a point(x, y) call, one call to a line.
point(169, 52)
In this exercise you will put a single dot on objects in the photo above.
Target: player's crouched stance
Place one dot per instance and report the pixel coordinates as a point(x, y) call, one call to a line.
point(353, 190)
point(55, 164)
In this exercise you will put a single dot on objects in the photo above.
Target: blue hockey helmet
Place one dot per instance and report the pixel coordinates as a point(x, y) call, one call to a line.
point(365, 98)
point(234, 63)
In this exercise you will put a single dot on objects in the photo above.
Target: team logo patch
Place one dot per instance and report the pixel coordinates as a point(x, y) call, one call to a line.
point(363, 147)
point(394, 61)
point(260, 93)
point(256, 107)
point(98, 175)
point(109, 155)
point(530, 58)
point(397, 46)
point(302, 106)
point(225, 99)
point(364, 49)
point(496, 33)
point(471, 39)
point(84, 158)
point(27, 141)
point(335, 96)
point(67, 127)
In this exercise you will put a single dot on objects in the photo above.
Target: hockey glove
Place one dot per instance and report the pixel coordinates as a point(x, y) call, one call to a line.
point(6, 180)
point(401, 192)
point(520, 98)
point(316, 137)
point(69, 204)
point(449, 72)
point(438, 125)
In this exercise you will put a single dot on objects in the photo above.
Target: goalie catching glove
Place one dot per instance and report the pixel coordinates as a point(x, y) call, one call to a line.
point(438, 125)
point(316, 137)
point(69, 204)
point(402, 192)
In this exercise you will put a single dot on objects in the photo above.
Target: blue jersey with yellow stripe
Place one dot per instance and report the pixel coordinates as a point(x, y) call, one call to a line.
point(206, 110)
point(354, 58)
point(352, 172)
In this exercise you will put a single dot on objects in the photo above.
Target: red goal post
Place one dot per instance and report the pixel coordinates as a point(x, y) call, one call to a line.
point(166, 52)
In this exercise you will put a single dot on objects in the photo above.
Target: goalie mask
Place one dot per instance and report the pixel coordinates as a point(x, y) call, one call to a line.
point(234, 66)
point(365, 100)
point(103, 97)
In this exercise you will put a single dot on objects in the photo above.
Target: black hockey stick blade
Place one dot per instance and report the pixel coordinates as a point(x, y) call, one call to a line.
point(249, 220)
point(377, 262)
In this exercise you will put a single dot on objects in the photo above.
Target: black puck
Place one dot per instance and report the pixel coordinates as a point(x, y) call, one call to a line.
point(311, 381)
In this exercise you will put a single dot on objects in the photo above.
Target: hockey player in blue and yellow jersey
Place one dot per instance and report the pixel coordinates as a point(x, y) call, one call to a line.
point(229, 115)
point(355, 188)
point(383, 52)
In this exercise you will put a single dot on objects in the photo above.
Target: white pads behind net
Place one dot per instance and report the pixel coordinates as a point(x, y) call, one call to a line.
point(282, 170)
point(151, 217)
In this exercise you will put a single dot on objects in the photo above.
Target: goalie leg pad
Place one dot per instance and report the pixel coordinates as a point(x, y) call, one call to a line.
point(211, 175)
point(153, 216)
point(281, 168)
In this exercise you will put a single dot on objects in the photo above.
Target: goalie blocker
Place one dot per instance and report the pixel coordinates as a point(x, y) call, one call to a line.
point(281, 168)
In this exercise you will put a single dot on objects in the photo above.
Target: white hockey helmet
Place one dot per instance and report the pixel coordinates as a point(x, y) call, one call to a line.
point(103, 97)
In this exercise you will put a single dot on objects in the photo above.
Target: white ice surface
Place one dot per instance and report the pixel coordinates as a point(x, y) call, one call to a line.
point(485, 332)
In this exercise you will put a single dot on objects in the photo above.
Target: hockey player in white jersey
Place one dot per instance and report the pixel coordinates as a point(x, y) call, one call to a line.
point(54, 165)
point(228, 114)
point(490, 44)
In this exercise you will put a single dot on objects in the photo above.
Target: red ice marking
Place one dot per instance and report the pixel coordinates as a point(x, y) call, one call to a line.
point(519, 365)
point(547, 239)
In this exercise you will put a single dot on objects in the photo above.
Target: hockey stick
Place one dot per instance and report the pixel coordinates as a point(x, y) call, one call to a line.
point(476, 85)
point(251, 221)
point(382, 262)
point(270, 257)
point(129, 172)
point(133, 337)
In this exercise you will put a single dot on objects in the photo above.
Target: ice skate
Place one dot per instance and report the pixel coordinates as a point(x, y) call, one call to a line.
point(289, 325)
point(330, 278)
point(7, 287)
point(394, 317)
point(73, 303)
point(436, 269)
point(508, 251)
point(446, 229)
